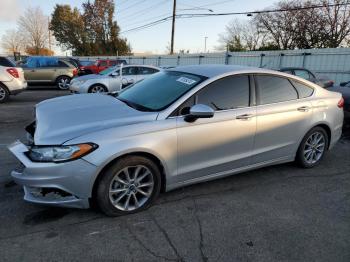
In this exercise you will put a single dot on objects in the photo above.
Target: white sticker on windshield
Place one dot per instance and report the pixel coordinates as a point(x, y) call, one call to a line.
point(186, 80)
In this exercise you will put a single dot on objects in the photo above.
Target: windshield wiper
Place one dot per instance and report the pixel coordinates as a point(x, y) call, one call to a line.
point(135, 105)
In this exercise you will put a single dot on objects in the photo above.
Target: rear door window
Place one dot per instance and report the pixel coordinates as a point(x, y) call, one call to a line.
point(273, 89)
point(146, 70)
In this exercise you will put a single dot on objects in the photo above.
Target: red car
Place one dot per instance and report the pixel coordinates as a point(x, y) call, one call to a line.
point(101, 64)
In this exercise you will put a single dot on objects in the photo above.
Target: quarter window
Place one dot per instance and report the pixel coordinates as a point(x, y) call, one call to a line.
point(226, 93)
point(274, 89)
point(303, 90)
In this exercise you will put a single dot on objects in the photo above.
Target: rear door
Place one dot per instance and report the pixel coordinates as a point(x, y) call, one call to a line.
point(283, 118)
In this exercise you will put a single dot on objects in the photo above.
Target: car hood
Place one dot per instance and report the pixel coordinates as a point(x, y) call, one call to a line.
point(88, 77)
point(63, 118)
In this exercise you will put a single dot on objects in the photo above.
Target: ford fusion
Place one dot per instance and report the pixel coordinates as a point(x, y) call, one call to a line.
point(177, 127)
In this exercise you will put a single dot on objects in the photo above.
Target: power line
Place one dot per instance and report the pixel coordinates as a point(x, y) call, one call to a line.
point(230, 13)
point(130, 6)
point(145, 9)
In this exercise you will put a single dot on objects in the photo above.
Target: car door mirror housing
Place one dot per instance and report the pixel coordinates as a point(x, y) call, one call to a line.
point(114, 74)
point(199, 111)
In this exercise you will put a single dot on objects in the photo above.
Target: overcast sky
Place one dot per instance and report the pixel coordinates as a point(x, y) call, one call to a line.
point(189, 33)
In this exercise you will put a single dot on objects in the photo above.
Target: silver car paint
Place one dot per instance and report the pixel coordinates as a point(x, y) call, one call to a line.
point(189, 152)
point(112, 83)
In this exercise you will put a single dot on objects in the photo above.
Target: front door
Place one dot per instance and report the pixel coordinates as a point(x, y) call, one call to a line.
point(214, 146)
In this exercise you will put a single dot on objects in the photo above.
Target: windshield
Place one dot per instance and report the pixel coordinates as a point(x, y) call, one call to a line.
point(159, 90)
point(108, 70)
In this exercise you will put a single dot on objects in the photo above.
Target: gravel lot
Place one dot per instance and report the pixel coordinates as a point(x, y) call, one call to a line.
point(280, 213)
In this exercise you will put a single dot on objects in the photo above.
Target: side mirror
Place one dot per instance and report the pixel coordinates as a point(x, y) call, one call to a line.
point(114, 74)
point(343, 83)
point(199, 111)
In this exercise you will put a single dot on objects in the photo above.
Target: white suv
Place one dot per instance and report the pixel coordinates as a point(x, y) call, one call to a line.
point(12, 79)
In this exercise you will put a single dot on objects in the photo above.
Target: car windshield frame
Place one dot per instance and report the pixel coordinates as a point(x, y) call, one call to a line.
point(142, 107)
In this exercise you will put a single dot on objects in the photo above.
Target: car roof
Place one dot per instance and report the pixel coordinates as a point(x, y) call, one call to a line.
point(217, 70)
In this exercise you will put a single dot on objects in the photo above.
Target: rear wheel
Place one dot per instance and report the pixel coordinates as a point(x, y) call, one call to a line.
point(128, 186)
point(4, 94)
point(98, 89)
point(62, 82)
point(312, 147)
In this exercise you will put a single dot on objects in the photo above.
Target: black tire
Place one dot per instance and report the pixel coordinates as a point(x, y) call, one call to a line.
point(4, 93)
point(102, 196)
point(62, 82)
point(301, 158)
point(97, 86)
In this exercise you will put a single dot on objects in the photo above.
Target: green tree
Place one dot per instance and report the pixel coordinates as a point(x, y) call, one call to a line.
point(92, 32)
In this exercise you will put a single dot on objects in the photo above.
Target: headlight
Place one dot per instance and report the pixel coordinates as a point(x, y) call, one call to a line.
point(60, 153)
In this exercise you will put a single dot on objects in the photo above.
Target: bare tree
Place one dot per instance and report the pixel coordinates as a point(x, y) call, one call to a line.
point(307, 27)
point(12, 41)
point(241, 35)
point(33, 26)
point(337, 23)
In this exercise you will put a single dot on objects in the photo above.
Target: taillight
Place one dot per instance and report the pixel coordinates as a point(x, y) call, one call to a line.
point(75, 72)
point(13, 72)
point(341, 103)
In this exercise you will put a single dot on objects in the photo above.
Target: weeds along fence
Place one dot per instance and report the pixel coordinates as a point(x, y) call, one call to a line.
point(331, 62)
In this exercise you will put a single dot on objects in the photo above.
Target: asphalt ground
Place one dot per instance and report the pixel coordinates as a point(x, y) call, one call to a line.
point(278, 213)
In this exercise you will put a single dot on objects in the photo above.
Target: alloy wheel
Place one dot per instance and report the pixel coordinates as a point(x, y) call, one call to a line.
point(131, 188)
point(2, 93)
point(314, 147)
point(98, 89)
point(63, 83)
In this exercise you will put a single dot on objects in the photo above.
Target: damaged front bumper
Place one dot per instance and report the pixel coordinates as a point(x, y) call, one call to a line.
point(67, 184)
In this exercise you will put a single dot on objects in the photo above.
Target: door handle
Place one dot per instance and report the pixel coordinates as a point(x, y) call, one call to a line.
point(244, 117)
point(303, 109)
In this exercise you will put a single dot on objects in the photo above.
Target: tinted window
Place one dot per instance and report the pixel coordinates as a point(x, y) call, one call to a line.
point(303, 74)
point(303, 90)
point(41, 62)
point(227, 93)
point(127, 71)
point(159, 90)
point(275, 89)
point(6, 62)
point(62, 64)
point(146, 71)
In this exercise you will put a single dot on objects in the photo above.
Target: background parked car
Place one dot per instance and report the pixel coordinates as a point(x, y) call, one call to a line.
point(345, 91)
point(109, 80)
point(308, 75)
point(41, 69)
point(102, 64)
point(11, 79)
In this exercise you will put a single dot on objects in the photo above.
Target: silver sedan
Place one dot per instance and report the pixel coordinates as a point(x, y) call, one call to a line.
point(177, 127)
point(110, 80)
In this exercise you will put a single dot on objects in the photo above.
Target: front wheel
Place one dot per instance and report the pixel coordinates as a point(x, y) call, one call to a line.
point(312, 148)
point(62, 82)
point(4, 94)
point(128, 186)
point(98, 89)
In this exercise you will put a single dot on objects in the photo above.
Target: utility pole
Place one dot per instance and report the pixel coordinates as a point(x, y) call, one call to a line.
point(173, 29)
point(205, 44)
